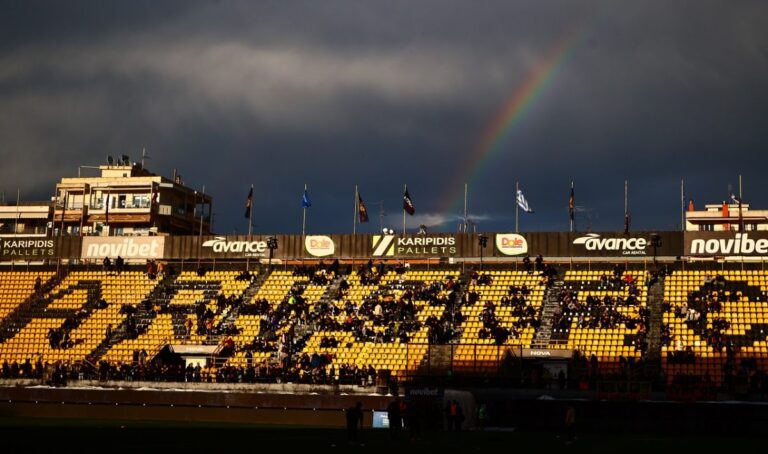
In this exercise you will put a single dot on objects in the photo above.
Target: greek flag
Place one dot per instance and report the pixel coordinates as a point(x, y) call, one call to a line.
point(522, 203)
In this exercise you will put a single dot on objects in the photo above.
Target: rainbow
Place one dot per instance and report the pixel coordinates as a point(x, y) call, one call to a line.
point(513, 112)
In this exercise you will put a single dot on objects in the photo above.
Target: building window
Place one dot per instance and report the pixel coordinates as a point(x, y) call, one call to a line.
point(140, 201)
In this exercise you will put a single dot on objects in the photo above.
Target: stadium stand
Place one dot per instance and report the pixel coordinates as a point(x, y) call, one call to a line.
point(188, 311)
point(502, 309)
point(603, 315)
point(316, 324)
point(18, 287)
point(76, 318)
point(377, 320)
point(716, 327)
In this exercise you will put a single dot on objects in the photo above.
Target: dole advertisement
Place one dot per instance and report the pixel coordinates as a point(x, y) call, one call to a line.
point(319, 245)
point(511, 244)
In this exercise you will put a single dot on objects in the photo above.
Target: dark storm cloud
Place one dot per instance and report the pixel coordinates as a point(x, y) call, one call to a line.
point(335, 94)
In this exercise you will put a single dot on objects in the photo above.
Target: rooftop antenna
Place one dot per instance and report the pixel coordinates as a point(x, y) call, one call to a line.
point(144, 156)
point(382, 213)
point(465, 208)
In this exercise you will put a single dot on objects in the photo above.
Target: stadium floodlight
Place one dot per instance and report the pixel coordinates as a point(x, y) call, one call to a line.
point(482, 241)
point(655, 243)
point(272, 245)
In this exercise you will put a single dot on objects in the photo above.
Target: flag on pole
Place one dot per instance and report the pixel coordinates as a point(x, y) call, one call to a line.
point(571, 204)
point(408, 203)
point(305, 203)
point(738, 200)
point(249, 203)
point(362, 212)
point(522, 203)
point(106, 211)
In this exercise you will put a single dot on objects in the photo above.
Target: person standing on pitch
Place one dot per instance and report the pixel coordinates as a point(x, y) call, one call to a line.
point(354, 421)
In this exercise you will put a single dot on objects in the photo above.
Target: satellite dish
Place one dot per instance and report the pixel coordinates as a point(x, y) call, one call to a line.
point(110, 160)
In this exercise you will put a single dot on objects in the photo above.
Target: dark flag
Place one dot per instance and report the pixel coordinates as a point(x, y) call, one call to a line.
point(571, 204)
point(362, 212)
point(305, 202)
point(106, 211)
point(737, 199)
point(249, 203)
point(408, 203)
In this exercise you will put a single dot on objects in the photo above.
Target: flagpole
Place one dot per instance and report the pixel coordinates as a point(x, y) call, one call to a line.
point(82, 210)
point(517, 208)
point(249, 203)
point(405, 188)
point(63, 212)
point(106, 211)
point(61, 229)
point(573, 210)
point(682, 205)
point(18, 212)
point(354, 216)
point(741, 219)
point(304, 219)
point(465, 208)
point(626, 207)
point(202, 213)
point(250, 216)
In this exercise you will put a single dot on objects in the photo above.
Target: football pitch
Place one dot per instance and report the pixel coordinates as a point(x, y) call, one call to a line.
point(54, 435)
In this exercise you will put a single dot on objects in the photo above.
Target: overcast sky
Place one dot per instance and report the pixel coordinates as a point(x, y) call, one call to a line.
point(379, 94)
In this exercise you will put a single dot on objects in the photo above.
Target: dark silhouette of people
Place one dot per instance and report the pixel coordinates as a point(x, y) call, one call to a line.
point(454, 415)
point(527, 264)
point(482, 416)
point(393, 414)
point(354, 421)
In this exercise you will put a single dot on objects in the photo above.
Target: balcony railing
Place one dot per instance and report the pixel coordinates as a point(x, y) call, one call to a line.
point(9, 230)
point(136, 205)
